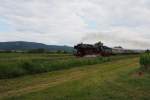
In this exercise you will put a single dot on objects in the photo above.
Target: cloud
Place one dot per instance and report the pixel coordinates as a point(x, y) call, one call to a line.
point(70, 21)
point(119, 37)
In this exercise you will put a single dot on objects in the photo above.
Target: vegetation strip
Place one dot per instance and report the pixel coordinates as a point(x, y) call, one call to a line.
point(145, 62)
point(26, 67)
point(71, 77)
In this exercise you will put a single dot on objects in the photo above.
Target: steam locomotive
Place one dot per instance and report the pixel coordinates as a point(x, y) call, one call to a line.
point(98, 49)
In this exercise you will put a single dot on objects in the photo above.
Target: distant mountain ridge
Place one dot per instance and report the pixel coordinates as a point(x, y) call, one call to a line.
point(23, 45)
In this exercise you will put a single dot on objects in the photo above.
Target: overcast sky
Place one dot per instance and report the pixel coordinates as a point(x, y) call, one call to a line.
point(67, 22)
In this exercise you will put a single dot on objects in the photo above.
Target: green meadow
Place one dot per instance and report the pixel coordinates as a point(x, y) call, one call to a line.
point(17, 64)
point(108, 78)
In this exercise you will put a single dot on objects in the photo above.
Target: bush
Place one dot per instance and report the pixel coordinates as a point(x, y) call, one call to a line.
point(145, 61)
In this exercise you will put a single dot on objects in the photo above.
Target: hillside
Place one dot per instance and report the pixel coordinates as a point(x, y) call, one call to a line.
point(23, 45)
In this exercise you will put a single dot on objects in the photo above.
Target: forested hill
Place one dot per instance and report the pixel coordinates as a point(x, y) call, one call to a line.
point(23, 45)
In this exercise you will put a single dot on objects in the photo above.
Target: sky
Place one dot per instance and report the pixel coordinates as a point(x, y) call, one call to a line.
point(123, 23)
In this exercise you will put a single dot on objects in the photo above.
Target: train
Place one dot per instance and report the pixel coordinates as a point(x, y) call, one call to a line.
point(98, 49)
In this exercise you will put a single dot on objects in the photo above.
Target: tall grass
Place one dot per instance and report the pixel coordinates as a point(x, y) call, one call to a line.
point(24, 67)
point(15, 64)
point(145, 61)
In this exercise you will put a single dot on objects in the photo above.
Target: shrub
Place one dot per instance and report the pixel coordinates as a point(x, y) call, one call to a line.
point(145, 61)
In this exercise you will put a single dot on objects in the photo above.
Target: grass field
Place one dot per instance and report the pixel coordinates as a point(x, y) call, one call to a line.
point(113, 80)
point(21, 64)
point(17, 64)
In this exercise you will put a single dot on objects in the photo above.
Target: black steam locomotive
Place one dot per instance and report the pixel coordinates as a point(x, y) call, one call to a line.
point(97, 49)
